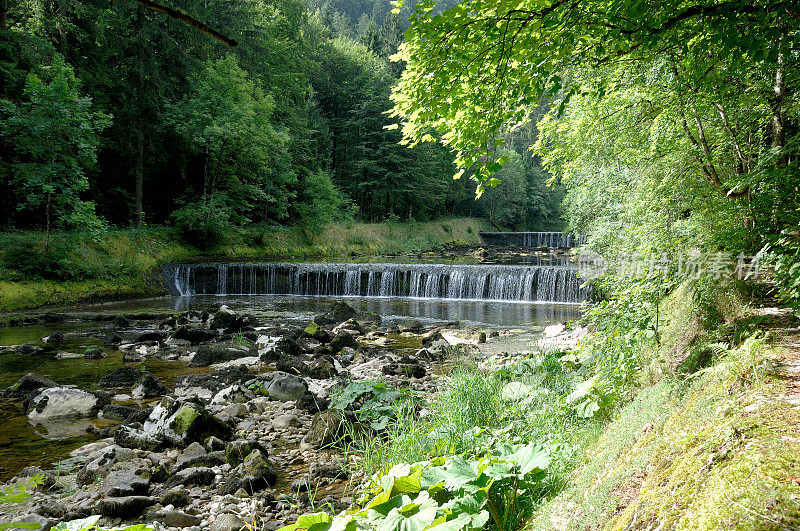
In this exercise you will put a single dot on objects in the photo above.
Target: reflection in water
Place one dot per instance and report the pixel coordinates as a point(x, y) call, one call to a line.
point(394, 310)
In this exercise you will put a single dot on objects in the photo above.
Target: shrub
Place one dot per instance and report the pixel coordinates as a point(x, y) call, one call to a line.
point(206, 222)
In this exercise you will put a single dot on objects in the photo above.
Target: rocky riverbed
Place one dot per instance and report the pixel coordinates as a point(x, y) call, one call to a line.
point(245, 436)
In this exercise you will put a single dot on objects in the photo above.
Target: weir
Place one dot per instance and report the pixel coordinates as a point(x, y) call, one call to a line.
point(423, 281)
point(551, 240)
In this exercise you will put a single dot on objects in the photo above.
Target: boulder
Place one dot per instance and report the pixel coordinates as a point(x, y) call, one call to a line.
point(237, 451)
point(328, 427)
point(117, 412)
point(173, 423)
point(63, 402)
point(227, 522)
point(341, 340)
point(254, 474)
point(125, 377)
point(221, 352)
point(125, 482)
point(288, 346)
point(55, 339)
point(177, 519)
point(149, 386)
point(339, 312)
point(283, 386)
point(176, 498)
point(125, 507)
point(312, 403)
point(205, 386)
point(194, 335)
point(27, 386)
point(234, 394)
point(191, 477)
point(94, 354)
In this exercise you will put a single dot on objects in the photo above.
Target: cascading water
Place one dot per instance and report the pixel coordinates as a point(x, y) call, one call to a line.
point(551, 240)
point(424, 281)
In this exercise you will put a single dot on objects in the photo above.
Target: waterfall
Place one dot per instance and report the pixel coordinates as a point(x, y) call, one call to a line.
point(424, 281)
point(551, 240)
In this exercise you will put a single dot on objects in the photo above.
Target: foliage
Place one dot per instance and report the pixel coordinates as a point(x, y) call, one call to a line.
point(445, 493)
point(18, 493)
point(374, 403)
point(207, 222)
point(54, 133)
point(90, 524)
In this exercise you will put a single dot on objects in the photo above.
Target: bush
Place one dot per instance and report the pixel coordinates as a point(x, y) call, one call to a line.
point(29, 259)
point(206, 222)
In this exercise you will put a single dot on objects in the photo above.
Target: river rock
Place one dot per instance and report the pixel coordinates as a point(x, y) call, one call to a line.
point(182, 423)
point(63, 402)
point(94, 354)
point(125, 507)
point(328, 427)
point(27, 385)
point(191, 477)
point(125, 377)
point(102, 461)
point(125, 482)
point(176, 518)
point(342, 339)
point(312, 403)
point(194, 335)
point(176, 498)
point(283, 386)
point(227, 522)
point(55, 339)
point(339, 312)
point(149, 386)
point(234, 394)
point(221, 352)
point(254, 474)
point(205, 386)
point(237, 451)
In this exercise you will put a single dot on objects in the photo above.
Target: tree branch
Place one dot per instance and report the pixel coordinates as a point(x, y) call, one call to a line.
point(177, 14)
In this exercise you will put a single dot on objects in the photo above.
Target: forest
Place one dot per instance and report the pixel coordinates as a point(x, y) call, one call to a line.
point(353, 265)
point(115, 115)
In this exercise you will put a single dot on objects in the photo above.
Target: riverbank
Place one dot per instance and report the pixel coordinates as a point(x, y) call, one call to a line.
point(125, 263)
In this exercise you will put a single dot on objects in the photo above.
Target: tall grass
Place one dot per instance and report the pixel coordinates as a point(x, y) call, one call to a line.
point(477, 410)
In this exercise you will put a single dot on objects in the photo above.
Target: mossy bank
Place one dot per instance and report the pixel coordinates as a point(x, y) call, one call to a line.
point(125, 263)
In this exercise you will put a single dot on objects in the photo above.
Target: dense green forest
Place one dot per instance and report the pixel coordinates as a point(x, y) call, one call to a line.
point(118, 115)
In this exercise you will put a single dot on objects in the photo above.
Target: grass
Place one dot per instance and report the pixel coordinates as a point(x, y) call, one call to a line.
point(479, 409)
point(125, 262)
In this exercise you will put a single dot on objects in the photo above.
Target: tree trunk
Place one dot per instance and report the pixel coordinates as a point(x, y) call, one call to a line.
point(777, 104)
point(139, 175)
point(3, 14)
point(47, 224)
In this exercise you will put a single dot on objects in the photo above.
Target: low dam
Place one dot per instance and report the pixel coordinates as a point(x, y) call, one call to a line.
point(523, 283)
point(551, 240)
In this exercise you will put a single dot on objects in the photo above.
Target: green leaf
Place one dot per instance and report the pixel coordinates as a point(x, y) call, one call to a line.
point(77, 525)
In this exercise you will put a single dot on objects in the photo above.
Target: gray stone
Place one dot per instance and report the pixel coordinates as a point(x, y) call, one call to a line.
point(227, 522)
point(191, 477)
point(62, 402)
point(125, 507)
point(284, 387)
point(124, 483)
point(28, 385)
point(177, 519)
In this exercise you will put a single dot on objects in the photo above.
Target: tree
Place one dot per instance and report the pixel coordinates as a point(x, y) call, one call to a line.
point(55, 134)
point(481, 65)
point(225, 121)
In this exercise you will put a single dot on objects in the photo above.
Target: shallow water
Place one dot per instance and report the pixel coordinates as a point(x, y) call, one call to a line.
point(23, 444)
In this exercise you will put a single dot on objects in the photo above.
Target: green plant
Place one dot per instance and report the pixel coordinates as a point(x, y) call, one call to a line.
point(18, 493)
point(239, 340)
point(90, 524)
point(374, 403)
point(451, 494)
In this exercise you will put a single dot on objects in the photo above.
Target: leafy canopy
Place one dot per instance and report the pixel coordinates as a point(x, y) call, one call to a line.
point(481, 65)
